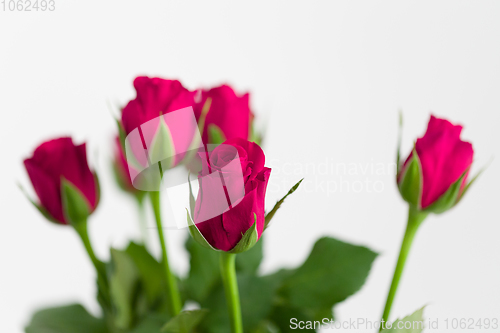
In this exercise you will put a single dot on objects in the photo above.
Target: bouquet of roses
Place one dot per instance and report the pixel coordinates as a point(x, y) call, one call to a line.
point(210, 133)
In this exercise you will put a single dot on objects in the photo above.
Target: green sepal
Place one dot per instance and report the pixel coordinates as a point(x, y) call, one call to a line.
point(121, 133)
point(192, 201)
point(398, 154)
point(215, 134)
point(255, 136)
point(184, 322)
point(76, 207)
point(195, 143)
point(97, 188)
point(196, 234)
point(162, 144)
point(138, 194)
point(449, 198)
point(416, 319)
point(410, 184)
point(270, 215)
point(204, 112)
point(466, 188)
point(249, 261)
point(248, 240)
point(40, 208)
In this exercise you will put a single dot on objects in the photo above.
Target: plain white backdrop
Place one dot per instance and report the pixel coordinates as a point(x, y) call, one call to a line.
point(326, 79)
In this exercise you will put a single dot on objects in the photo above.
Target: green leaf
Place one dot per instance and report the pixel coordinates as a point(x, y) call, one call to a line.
point(282, 317)
point(256, 299)
point(150, 272)
point(447, 199)
point(248, 240)
point(410, 185)
point(266, 326)
point(333, 271)
point(124, 280)
point(204, 271)
point(256, 296)
point(249, 261)
point(76, 207)
point(270, 215)
point(152, 323)
point(416, 326)
point(215, 134)
point(184, 322)
point(65, 319)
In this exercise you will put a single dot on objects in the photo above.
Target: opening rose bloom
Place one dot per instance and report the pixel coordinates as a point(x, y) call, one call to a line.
point(228, 117)
point(238, 166)
point(59, 169)
point(434, 176)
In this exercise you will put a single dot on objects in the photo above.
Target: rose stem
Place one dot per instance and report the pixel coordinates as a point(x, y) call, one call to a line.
point(173, 292)
point(141, 210)
point(415, 218)
point(102, 280)
point(228, 272)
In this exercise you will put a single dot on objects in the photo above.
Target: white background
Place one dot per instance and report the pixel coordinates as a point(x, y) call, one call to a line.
point(327, 79)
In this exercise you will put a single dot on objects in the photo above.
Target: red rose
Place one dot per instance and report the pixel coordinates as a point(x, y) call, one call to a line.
point(155, 97)
point(435, 174)
point(163, 116)
point(57, 160)
point(229, 112)
point(224, 231)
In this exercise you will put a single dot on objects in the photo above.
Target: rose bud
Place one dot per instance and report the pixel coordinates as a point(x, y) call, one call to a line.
point(228, 115)
point(158, 128)
point(229, 210)
point(155, 97)
point(434, 176)
point(68, 191)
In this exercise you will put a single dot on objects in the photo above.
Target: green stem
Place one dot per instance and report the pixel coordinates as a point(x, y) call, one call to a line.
point(228, 272)
point(102, 280)
point(141, 209)
point(415, 218)
point(81, 229)
point(173, 292)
